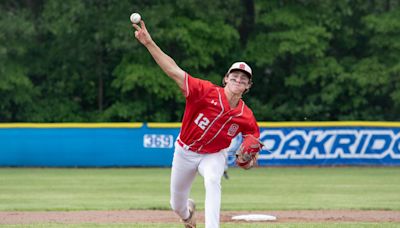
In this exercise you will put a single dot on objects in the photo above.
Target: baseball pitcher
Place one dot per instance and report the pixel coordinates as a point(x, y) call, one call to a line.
point(213, 116)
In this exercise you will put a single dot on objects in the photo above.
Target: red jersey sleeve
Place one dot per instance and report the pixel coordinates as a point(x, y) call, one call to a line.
point(252, 128)
point(194, 88)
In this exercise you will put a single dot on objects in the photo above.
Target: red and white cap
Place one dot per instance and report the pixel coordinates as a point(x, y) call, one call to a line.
point(241, 66)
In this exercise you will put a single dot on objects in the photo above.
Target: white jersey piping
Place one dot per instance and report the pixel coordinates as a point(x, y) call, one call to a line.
point(187, 84)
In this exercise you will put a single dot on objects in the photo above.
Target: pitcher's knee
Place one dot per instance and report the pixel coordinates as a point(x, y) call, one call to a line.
point(212, 181)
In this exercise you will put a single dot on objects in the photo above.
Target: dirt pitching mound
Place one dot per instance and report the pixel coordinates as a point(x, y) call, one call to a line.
point(154, 216)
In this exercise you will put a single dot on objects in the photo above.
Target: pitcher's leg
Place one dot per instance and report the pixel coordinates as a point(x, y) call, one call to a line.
point(183, 172)
point(212, 168)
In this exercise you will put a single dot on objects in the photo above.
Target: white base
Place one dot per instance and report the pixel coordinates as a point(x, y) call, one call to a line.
point(254, 217)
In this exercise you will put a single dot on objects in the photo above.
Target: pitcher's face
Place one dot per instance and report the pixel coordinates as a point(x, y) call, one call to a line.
point(237, 82)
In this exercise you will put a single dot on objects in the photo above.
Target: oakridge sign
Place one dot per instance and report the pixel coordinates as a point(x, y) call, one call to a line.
point(330, 143)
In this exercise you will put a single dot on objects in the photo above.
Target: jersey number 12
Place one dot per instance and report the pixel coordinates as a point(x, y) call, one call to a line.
point(202, 121)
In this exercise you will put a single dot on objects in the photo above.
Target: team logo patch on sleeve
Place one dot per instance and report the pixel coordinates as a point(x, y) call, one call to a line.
point(233, 129)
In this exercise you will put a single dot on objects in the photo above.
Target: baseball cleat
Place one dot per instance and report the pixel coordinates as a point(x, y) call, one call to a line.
point(191, 221)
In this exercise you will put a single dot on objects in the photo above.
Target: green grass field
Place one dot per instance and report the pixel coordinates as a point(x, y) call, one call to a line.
point(35, 189)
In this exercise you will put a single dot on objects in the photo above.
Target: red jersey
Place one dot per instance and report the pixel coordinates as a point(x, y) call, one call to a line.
point(209, 124)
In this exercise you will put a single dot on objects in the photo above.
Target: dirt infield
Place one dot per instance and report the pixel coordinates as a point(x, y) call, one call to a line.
point(149, 216)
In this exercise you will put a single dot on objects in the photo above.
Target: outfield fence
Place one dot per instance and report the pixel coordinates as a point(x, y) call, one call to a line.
point(152, 144)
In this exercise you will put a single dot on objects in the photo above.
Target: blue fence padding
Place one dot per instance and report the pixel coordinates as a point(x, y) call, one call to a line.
point(152, 146)
point(80, 147)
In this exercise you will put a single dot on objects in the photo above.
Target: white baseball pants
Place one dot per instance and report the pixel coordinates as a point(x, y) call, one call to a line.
point(185, 166)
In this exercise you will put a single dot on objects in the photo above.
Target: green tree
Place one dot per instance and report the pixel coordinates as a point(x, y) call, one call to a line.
point(17, 92)
point(191, 40)
point(312, 60)
point(79, 45)
point(287, 39)
point(318, 60)
point(383, 30)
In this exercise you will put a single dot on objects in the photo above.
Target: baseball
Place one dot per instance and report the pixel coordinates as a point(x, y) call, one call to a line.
point(135, 18)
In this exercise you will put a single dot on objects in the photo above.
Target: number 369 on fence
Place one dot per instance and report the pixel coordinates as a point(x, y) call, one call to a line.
point(158, 141)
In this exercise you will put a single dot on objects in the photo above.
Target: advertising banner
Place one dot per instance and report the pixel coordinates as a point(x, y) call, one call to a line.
point(152, 144)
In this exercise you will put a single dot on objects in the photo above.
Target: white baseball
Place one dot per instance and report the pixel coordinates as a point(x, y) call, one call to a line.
point(135, 18)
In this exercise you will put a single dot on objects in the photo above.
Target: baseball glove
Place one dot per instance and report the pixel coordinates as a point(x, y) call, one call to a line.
point(246, 156)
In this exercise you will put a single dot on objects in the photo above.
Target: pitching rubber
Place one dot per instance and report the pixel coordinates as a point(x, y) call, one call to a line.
point(254, 217)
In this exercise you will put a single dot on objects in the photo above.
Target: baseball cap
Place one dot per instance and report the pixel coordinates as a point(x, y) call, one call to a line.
point(241, 66)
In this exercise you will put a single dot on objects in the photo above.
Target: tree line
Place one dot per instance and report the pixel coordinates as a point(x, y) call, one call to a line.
point(78, 61)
